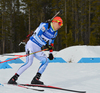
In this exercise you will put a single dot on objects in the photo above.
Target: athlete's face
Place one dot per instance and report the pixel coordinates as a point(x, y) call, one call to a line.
point(56, 25)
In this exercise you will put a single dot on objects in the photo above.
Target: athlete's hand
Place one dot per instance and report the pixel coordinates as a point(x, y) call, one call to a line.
point(51, 56)
point(50, 47)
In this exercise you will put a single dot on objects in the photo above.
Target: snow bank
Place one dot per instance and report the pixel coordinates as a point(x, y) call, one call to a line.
point(75, 53)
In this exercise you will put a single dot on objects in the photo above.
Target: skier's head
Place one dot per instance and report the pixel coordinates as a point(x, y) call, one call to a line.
point(57, 22)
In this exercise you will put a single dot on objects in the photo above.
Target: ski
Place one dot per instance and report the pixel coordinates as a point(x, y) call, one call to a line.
point(22, 86)
point(30, 88)
point(52, 87)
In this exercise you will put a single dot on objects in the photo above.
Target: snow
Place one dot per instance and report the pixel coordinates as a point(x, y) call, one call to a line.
point(70, 75)
point(75, 53)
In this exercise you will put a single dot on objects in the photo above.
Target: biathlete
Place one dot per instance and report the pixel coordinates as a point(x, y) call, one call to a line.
point(39, 38)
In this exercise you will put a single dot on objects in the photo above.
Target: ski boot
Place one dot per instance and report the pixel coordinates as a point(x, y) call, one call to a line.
point(36, 80)
point(13, 79)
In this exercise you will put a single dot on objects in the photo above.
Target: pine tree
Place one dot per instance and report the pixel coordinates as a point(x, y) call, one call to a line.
point(95, 34)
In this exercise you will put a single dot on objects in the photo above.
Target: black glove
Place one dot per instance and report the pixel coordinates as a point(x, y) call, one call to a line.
point(51, 56)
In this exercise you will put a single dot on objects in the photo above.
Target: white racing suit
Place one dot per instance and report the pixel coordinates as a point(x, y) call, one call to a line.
point(40, 37)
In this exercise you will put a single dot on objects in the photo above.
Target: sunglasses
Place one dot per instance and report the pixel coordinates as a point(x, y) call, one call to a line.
point(60, 23)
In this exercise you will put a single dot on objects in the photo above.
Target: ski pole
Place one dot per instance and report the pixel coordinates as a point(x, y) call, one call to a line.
point(24, 55)
point(11, 55)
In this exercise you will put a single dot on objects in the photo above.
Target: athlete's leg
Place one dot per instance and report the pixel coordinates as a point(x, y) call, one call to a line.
point(44, 62)
point(29, 60)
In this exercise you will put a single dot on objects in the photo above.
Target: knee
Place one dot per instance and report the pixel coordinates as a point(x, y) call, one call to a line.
point(45, 61)
point(27, 65)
